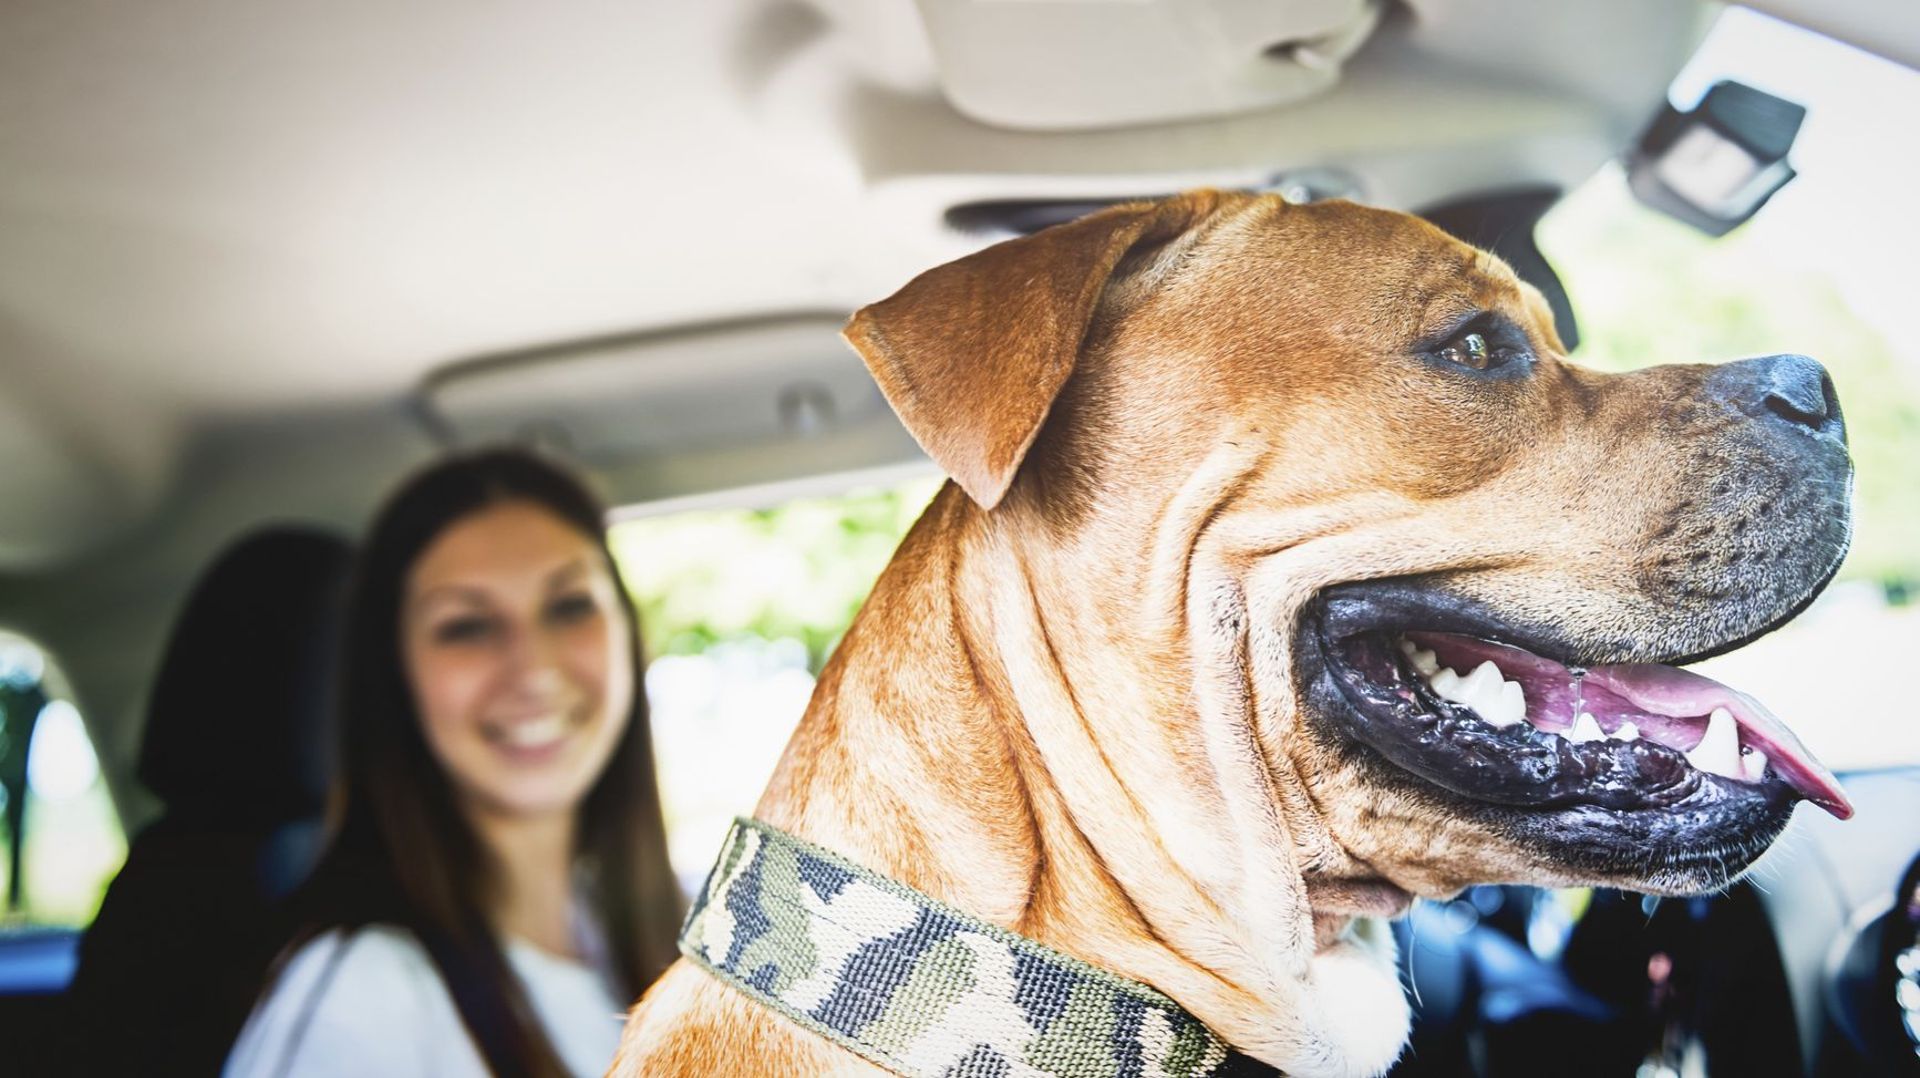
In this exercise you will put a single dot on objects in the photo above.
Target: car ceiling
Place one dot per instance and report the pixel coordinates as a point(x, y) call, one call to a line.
point(247, 244)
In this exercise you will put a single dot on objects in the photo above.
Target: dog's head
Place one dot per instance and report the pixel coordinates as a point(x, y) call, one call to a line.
point(1451, 572)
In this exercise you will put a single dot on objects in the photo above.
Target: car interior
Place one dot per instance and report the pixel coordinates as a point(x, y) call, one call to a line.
point(260, 261)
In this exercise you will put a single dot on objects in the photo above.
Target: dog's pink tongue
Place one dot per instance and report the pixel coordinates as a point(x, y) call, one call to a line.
point(1667, 690)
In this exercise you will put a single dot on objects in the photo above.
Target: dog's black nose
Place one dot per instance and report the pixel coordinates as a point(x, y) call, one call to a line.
point(1788, 389)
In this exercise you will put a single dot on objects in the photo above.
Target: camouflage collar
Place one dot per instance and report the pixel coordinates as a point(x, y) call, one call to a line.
point(921, 988)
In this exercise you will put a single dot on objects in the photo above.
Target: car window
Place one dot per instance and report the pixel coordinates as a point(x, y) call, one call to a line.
point(62, 839)
point(740, 609)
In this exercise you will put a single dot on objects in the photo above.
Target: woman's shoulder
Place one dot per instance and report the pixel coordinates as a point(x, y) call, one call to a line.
point(370, 968)
point(354, 1001)
point(381, 950)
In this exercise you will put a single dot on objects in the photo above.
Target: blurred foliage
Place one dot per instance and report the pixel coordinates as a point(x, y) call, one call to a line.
point(1648, 289)
point(798, 571)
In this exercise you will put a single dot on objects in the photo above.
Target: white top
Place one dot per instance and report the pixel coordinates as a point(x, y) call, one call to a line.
point(383, 1010)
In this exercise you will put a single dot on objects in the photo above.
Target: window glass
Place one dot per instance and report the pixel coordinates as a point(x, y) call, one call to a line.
point(61, 841)
point(740, 609)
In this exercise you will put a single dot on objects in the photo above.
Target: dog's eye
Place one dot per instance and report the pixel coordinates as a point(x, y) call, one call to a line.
point(1486, 343)
point(1470, 350)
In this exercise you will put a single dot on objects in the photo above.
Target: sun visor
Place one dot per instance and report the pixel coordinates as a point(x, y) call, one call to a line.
point(1036, 65)
point(681, 412)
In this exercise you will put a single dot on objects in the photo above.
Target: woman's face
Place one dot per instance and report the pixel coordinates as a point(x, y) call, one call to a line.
point(519, 658)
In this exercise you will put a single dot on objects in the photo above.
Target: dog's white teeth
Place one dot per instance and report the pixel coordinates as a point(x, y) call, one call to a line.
point(1626, 731)
point(1508, 707)
point(1585, 728)
point(1495, 706)
point(1424, 661)
point(1753, 764)
point(1485, 679)
point(1718, 753)
point(1497, 701)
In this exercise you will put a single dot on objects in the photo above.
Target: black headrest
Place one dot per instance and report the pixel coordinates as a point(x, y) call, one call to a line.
point(238, 722)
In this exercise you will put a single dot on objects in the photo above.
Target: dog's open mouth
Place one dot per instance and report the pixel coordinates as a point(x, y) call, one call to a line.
point(1499, 723)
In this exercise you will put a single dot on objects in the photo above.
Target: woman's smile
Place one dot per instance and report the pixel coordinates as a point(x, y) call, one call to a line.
point(535, 739)
point(518, 657)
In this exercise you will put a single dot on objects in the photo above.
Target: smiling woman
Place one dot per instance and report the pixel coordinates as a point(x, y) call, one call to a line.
point(517, 659)
point(497, 888)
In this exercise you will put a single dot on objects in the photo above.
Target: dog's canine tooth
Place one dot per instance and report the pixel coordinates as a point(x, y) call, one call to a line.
point(1753, 764)
point(1718, 753)
point(1626, 731)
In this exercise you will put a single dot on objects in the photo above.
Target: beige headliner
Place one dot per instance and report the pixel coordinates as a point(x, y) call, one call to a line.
point(238, 236)
point(218, 209)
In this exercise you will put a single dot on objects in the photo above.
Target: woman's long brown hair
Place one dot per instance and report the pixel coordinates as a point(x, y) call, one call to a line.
point(402, 853)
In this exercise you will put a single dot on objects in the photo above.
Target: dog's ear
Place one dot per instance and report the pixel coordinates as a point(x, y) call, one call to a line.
point(971, 354)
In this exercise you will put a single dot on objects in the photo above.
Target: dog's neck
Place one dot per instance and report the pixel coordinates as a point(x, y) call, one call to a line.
point(1034, 771)
point(910, 758)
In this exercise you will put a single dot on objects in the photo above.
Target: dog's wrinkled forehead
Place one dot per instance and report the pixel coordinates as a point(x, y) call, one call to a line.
point(1373, 349)
point(1221, 293)
point(1351, 275)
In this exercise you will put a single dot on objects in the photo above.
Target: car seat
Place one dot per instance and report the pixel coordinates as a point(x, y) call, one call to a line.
point(237, 749)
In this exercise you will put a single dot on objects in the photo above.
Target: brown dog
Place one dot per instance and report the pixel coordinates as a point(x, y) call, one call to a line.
point(1157, 683)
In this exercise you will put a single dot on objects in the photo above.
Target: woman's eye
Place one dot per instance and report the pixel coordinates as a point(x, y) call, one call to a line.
point(463, 630)
point(571, 608)
point(1469, 350)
